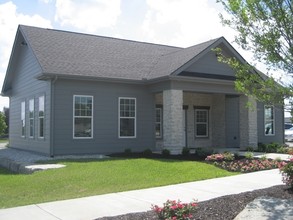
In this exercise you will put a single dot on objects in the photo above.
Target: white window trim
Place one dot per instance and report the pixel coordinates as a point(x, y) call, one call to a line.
point(92, 117)
point(196, 123)
point(23, 119)
point(31, 118)
point(43, 117)
point(161, 120)
point(269, 106)
point(126, 117)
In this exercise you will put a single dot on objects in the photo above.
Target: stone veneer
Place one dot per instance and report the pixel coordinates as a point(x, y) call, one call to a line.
point(248, 123)
point(173, 120)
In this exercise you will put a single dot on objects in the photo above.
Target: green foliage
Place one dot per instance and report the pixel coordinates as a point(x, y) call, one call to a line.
point(175, 210)
point(203, 152)
point(3, 125)
point(265, 28)
point(249, 155)
point(287, 172)
point(147, 152)
point(251, 149)
point(272, 148)
point(185, 151)
point(128, 151)
point(263, 157)
point(166, 152)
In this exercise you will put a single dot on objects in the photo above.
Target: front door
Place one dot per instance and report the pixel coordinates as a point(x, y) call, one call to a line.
point(232, 121)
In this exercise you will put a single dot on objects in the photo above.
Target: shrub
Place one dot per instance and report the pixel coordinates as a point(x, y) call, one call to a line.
point(263, 157)
point(127, 151)
point(185, 151)
point(175, 210)
point(147, 152)
point(261, 147)
point(166, 152)
point(286, 168)
point(203, 152)
point(251, 149)
point(282, 150)
point(249, 155)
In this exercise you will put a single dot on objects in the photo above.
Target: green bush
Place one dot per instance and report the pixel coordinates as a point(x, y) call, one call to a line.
point(166, 152)
point(249, 155)
point(203, 152)
point(185, 151)
point(127, 151)
point(147, 152)
point(251, 149)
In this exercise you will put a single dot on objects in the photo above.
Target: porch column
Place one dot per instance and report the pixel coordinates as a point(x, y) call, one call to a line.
point(173, 120)
point(252, 124)
point(248, 123)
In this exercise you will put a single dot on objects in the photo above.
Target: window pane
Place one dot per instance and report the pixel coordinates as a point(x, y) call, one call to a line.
point(201, 130)
point(82, 127)
point(41, 127)
point(201, 122)
point(127, 127)
point(269, 120)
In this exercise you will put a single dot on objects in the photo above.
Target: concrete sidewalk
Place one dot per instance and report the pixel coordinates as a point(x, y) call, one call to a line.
point(113, 204)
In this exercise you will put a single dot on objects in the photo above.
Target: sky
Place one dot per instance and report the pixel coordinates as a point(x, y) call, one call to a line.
point(171, 22)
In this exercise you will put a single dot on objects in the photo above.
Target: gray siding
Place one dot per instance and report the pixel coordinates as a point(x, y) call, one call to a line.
point(24, 88)
point(209, 64)
point(279, 126)
point(105, 122)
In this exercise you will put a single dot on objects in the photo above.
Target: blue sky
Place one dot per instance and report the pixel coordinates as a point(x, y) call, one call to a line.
point(172, 22)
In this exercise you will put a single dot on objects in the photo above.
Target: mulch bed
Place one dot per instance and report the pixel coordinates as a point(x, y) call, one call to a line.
point(221, 208)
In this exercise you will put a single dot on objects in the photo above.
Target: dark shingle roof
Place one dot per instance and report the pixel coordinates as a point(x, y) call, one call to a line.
point(76, 54)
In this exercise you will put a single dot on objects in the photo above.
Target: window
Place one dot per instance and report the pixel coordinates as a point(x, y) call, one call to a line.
point(127, 117)
point(158, 122)
point(269, 120)
point(83, 116)
point(41, 116)
point(22, 119)
point(201, 122)
point(31, 117)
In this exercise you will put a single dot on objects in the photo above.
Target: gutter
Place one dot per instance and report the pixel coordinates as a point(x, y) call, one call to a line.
point(52, 116)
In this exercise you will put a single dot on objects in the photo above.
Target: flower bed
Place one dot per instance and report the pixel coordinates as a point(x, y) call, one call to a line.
point(243, 165)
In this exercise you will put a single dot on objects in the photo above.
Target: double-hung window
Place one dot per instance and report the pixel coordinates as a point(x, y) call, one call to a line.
point(22, 118)
point(41, 116)
point(127, 117)
point(158, 122)
point(82, 116)
point(31, 117)
point(201, 122)
point(269, 120)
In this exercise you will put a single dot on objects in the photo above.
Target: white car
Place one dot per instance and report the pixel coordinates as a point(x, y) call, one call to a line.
point(289, 134)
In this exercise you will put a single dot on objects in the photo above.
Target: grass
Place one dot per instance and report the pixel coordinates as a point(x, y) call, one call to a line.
point(3, 140)
point(93, 177)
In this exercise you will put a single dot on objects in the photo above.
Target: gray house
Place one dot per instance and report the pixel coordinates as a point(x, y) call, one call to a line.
point(73, 93)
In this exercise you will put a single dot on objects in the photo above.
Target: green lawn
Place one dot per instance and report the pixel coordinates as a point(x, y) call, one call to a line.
point(3, 140)
point(93, 177)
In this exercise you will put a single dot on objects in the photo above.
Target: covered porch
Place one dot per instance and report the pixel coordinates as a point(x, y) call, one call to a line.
point(203, 120)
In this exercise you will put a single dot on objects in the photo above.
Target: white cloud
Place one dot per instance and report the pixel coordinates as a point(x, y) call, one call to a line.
point(9, 20)
point(87, 15)
point(182, 22)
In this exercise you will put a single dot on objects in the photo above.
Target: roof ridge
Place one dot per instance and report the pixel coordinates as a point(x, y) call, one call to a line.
point(101, 36)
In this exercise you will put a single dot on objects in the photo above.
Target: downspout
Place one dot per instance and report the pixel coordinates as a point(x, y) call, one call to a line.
point(52, 116)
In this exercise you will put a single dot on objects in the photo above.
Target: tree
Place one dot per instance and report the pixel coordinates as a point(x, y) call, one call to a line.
point(264, 27)
point(3, 125)
point(6, 113)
